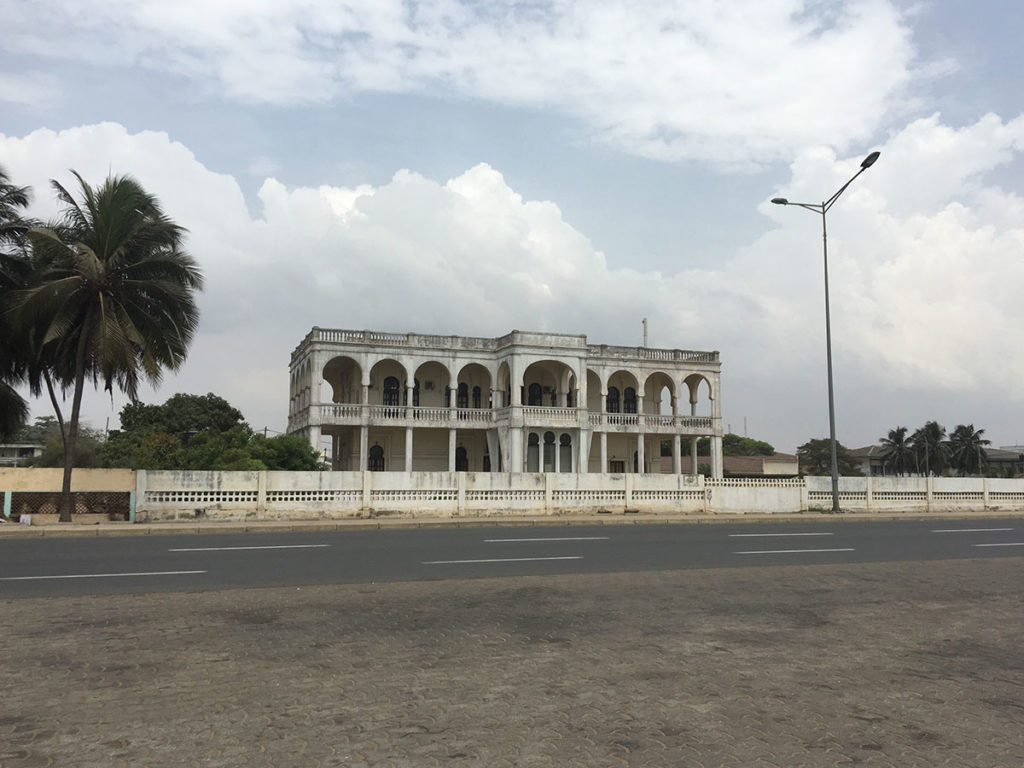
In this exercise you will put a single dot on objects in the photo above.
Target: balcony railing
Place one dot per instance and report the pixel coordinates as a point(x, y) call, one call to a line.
point(539, 414)
point(353, 413)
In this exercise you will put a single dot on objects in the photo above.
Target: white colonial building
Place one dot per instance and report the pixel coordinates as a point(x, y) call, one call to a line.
point(523, 402)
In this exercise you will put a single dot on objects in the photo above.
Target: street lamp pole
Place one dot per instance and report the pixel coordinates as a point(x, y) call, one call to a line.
point(821, 209)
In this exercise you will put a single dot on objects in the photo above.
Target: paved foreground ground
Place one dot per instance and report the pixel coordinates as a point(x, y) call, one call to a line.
point(916, 664)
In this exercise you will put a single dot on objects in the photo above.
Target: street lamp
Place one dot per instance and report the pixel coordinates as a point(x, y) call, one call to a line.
point(822, 209)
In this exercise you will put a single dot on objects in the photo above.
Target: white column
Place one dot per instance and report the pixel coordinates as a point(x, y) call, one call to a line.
point(640, 453)
point(314, 437)
point(408, 449)
point(451, 448)
point(677, 459)
point(604, 453)
point(558, 453)
point(364, 446)
point(716, 456)
point(693, 455)
point(515, 457)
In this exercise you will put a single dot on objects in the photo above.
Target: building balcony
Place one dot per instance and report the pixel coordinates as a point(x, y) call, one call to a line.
point(355, 415)
point(652, 423)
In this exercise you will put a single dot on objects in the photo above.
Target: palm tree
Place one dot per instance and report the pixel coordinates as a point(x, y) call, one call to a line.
point(897, 453)
point(967, 452)
point(931, 451)
point(112, 297)
point(13, 268)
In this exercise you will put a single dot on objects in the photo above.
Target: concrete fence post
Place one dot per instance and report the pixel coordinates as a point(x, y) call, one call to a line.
point(984, 493)
point(548, 493)
point(367, 489)
point(261, 492)
point(460, 503)
point(7, 504)
point(869, 493)
point(928, 494)
point(139, 502)
point(629, 489)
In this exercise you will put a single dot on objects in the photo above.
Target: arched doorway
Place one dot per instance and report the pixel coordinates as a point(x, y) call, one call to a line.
point(375, 459)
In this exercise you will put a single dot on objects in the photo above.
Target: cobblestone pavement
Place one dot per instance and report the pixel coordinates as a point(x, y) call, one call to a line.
point(909, 664)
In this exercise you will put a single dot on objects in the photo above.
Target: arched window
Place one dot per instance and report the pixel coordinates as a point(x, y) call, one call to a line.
point(375, 462)
point(391, 388)
point(535, 395)
point(476, 397)
point(462, 398)
point(629, 400)
point(549, 451)
point(461, 460)
point(565, 452)
point(613, 400)
point(533, 453)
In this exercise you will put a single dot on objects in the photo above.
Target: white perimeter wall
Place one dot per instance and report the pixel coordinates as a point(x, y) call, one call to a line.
point(282, 495)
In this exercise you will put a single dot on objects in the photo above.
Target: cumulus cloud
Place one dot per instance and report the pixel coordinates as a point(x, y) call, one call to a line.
point(740, 83)
point(923, 298)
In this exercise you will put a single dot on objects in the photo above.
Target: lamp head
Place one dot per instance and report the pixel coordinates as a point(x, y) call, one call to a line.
point(780, 201)
point(868, 161)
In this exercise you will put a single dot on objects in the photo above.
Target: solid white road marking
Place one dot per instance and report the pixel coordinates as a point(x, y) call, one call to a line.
point(99, 575)
point(498, 560)
point(554, 538)
point(1004, 544)
point(968, 530)
point(232, 549)
point(741, 535)
point(790, 551)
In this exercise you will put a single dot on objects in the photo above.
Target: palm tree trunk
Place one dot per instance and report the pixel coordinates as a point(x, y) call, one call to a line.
point(66, 502)
point(56, 408)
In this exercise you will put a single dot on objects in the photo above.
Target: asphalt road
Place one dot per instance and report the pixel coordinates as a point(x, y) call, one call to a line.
point(119, 565)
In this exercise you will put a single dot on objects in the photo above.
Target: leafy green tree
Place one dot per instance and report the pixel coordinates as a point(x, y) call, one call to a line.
point(967, 450)
point(42, 429)
point(143, 449)
point(13, 271)
point(931, 451)
point(815, 457)
point(228, 450)
point(88, 448)
point(734, 445)
point(286, 452)
point(112, 296)
point(897, 451)
point(182, 415)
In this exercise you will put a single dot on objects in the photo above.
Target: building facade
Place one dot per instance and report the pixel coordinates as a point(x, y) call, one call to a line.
point(523, 402)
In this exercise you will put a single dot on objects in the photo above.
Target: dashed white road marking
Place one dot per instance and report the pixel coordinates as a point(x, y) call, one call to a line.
point(968, 530)
point(234, 549)
point(553, 538)
point(752, 535)
point(791, 551)
point(1003, 544)
point(99, 575)
point(498, 560)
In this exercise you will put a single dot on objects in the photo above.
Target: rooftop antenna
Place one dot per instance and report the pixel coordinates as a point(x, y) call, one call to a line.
point(645, 331)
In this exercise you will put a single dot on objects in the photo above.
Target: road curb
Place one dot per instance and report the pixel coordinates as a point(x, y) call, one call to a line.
point(15, 530)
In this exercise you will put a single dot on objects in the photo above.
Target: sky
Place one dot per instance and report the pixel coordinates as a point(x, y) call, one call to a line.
point(471, 168)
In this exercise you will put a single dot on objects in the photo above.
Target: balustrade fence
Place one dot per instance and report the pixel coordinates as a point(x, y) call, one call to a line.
point(163, 495)
point(276, 495)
